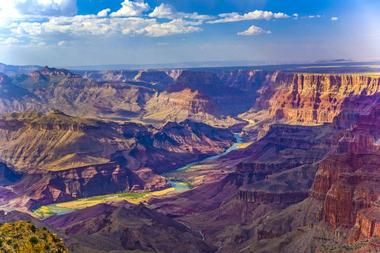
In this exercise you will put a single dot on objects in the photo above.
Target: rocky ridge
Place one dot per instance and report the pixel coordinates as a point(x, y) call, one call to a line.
point(130, 227)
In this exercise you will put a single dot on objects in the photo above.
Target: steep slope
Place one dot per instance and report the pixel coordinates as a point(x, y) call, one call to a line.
point(60, 89)
point(122, 227)
point(80, 96)
point(178, 106)
point(53, 141)
point(280, 167)
point(176, 144)
point(45, 188)
point(14, 98)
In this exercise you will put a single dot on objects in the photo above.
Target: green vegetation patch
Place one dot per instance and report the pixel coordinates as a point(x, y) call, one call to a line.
point(22, 237)
point(68, 207)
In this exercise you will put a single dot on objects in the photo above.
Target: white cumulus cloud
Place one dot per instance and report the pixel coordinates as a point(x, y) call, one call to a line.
point(177, 26)
point(334, 18)
point(17, 8)
point(253, 15)
point(104, 13)
point(168, 12)
point(131, 9)
point(253, 30)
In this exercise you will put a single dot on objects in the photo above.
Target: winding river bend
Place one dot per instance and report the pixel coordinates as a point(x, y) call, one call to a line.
point(181, 185)
point(178, 185)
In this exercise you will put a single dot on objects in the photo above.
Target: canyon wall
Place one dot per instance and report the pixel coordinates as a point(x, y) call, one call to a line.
point(59, 186)
point(280, 167)
point(315, 98)
point(348, 181)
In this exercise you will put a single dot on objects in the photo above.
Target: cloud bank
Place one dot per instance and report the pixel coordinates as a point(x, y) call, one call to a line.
point(41, 22)
point(18, 8)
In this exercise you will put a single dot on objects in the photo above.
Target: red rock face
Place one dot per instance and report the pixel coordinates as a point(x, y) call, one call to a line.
point(58, 186)
point(229, 92)
point(315, 98)
point(151, 181)
point(280, 167)
point(348, 181)
point(178, 105)
point(367, 224)
point(355, 107)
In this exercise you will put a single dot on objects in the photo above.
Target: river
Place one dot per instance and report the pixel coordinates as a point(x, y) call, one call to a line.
point(182, 185)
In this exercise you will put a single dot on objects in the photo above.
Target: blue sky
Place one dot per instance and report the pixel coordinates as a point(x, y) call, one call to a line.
point(100, 32)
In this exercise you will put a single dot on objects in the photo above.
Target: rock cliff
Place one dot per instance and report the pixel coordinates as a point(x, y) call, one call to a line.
point(315, 98)
point(59, 186)
point(280, 167)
